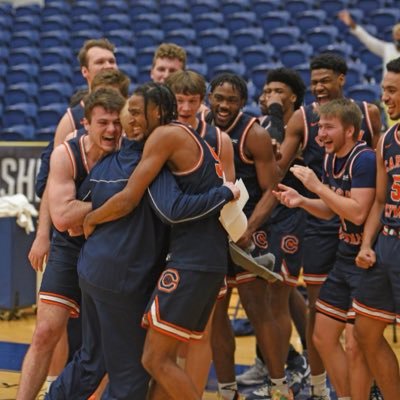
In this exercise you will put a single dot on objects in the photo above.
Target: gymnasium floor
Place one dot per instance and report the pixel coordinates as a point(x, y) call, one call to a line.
point(15, 334)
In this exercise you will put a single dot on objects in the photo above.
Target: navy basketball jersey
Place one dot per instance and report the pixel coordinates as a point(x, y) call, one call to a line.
point(76, 151)
point(211, 134)
point(390, 151)
point(202, 244)
point(76, 115)
point(244, 167)
point(313, 149)
point(356, 170)
point(138, 240)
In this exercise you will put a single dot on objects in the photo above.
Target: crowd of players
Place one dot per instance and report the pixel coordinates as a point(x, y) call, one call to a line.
point(143, 180)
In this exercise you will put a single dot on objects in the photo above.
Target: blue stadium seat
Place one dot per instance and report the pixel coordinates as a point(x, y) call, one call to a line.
point(24, 55)
point(216, 55)
point(321, 36)
point(6, 9)
point(194, 54)
point(55, 73)
point(213, 37)
point(368, 58)
point(273, 20)
point(259, 73)
point(257, 54)
point(168, 7)
point(234, 68)
point(182, 37)
point(20, 114)
point(310, 19)
point(344, 50)
point(246, 37)
point(56, 55)
point(233, 6)
point(79, 37)
point(144, 74)
point(261, 7)
point(50, 115)
point(5, 37)
point(200, 68)
point(139, 7)
point(304, 72)
point(115, 22)
point(85, 8)
point(56, 8)
point(130, 70)
point(294, 7)
point(286, 36)
point(78, 81)
point(28, 38)
point(355, 73)
point(332, 7)
point(126, 55)
point(295, 54)
point(252, 92)
point(177, 21)
point(149, 37)
point(144, 56)
point(87, 21)
point(21, 73)
point(55, 93)
point(210, 20)
point(24, 92)
point(4, 53)
point(142, 22)
point(384, 17)
point(368, 6)
point(55, 22)
point(241, 20)
point(365, 92)
point(27, 22)
point(17, 132)
point(6, 22)
point(349, 38)
point(58, 38)
point(28, 9)
point(252, 109)
point(113, 7)
point(122, 37)
point(204, 7)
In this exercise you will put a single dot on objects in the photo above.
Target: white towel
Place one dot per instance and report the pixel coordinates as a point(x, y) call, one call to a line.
point(18, 206)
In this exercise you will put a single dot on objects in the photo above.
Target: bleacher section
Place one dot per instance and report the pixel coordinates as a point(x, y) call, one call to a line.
point(38, 45)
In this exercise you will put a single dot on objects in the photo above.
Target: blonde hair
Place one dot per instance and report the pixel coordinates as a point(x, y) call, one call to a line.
point(170, 50)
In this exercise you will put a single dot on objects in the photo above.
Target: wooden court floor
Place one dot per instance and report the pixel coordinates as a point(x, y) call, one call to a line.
point(20, 332)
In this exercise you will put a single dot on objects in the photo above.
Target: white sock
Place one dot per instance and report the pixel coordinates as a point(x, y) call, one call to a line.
point(280, 384)
point(318, 384)
point(344, 398)
point(49, 381)
point(228, 390)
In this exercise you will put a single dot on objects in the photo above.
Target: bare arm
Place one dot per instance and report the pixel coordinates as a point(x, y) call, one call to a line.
point(64, 127)
point(376, 123)
point(226, 157)
point(65, 211)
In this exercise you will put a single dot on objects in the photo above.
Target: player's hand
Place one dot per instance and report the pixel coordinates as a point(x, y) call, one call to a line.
point(346, 18)
point(234, 189)
point(288, 196)
point(307, 177)
point(366, 258)
point(246, 242)
point(88, 226)
point(39, 252)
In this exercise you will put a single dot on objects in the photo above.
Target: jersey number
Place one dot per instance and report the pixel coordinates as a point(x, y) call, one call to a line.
point(395, 192)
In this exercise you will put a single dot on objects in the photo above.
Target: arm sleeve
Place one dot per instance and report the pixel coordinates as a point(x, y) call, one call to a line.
point(173, 206)
point(276, 127)
point(373, 44)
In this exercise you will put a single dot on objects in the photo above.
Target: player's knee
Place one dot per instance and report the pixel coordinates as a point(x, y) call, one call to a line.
point(46, 335)
point(318, 339)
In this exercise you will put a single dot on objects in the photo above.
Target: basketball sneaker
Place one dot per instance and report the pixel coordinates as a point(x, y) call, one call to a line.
point(375, 393)
point(298, 372)
point(255, 375)
point(238, 396)
point(324, 396)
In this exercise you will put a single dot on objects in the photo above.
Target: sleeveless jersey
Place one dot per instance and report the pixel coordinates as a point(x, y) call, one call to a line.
point(138, 241)
point(76, 151)
point(244, 167)
point(76, 114)
point(339, 175)
point(199, 245)
point(211, 134)
point(390, 151)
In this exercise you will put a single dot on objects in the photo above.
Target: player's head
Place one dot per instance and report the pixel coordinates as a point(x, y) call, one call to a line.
point(189, 88)
point(328, 73)
point(391, 88)
point(96, 55)
point(228, 94)
point(150, 106)
point(168, 58)
point(112, 78)
point(396, 35)
point(102, 122)
point(287, 83)
point(339, 124)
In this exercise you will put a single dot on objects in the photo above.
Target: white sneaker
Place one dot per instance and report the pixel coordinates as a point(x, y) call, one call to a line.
point(255, 375)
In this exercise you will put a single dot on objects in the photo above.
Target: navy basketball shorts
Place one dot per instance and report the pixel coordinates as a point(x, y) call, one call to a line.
point(378, 295)
point(319, 255)
point(337, 292)
point(60, 283)
point(182, 302)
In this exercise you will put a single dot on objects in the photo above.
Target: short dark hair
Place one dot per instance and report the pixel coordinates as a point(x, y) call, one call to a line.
point(108, 98)
point(291, 78)
point(394, 66)
point(103, 43)
point(346, 110)
point(329, 61)
point(236, 81)
point(187, 82)
point(162, 97)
